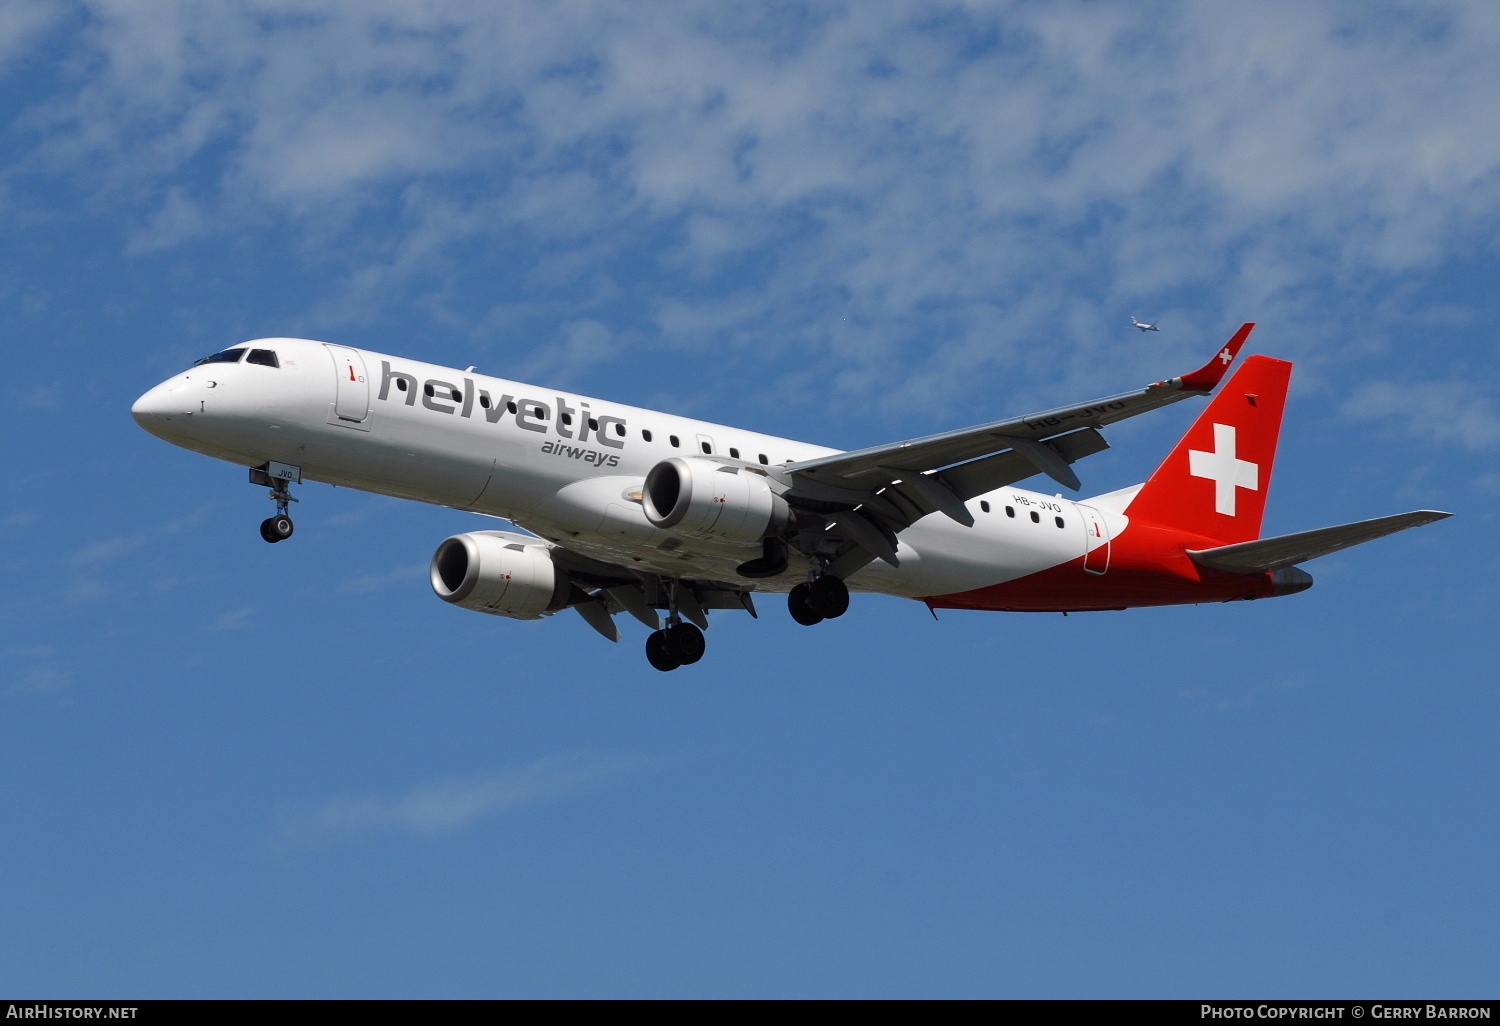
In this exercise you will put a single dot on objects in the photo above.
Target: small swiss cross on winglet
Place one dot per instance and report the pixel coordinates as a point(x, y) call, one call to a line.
point(1207, 377)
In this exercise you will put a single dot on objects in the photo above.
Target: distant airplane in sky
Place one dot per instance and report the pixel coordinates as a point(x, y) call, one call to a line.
point(646, 513)
point(1143, 326)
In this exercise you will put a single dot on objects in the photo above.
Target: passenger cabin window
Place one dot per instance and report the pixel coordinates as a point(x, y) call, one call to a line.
point(1035, 517)
point(401, 384)
point(734, 453)
point(984, 504)
point(511, 407)
point(1059, 521)
point(708, 450)
point(673, 440)
point(764, 462)
point(263, 358)
point(593, 424)
point(227, 356)
point(1010, 511)
point(620, 430)
point(646, 434)
point(484, 400)
point(566, 418)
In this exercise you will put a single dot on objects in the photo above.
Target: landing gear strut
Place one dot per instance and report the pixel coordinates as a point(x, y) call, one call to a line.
point(277, 477)
point(823, 598)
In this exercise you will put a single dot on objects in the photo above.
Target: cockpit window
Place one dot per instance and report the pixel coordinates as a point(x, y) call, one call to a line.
point(264, 357)
point(227, 356)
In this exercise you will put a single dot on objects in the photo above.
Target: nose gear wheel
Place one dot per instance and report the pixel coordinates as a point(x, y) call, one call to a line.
point(277, 528)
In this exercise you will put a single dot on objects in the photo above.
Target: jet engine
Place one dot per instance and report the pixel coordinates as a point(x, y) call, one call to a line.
point(712, 501)
point(500, 573)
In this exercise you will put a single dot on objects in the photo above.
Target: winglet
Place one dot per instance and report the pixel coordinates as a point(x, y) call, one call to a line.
point(1207, 377)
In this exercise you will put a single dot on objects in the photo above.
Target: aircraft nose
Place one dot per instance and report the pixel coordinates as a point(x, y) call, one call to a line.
point(160, 406)
point(149, 407)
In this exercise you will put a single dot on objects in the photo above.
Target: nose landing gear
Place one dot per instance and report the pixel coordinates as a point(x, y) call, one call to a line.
point(277, 477)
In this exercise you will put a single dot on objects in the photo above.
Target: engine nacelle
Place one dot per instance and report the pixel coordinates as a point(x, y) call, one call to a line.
point(500, 573)
point(713, 501)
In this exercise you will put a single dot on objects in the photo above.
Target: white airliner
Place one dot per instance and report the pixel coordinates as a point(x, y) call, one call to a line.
point(1143, 325)
point(645, 513)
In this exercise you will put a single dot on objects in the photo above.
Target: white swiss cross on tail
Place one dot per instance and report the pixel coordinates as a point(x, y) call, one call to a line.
point(1224, 469)
point(1239, 430)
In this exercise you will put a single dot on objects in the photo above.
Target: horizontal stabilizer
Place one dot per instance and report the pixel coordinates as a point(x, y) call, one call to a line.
point(1254, 557)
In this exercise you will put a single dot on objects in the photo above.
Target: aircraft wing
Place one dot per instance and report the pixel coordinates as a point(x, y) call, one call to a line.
point(870, 495)
point(598, 590)
point(868, 470)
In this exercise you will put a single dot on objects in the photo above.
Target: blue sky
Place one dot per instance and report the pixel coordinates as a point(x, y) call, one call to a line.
point(239, 770)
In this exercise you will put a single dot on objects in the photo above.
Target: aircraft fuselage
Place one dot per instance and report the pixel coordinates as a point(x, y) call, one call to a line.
point(564, 466)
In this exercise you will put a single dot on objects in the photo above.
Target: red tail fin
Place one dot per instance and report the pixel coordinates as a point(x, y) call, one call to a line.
point(1215, 481)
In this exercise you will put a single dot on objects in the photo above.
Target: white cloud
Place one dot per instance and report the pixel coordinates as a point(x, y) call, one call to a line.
point(233, 620)
point(920, 196)
point(45, 677)
point(582, 343)
point(22, 23)
point(41, 671)
point(177, 220)
point(395, 577)
point(44, 397)
point(430, 810)
point(106, 550)
point(1439, 411)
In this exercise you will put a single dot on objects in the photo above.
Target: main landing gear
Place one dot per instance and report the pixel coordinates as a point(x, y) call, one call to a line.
point(679, 643)
point(277, 477)
point(823, 598)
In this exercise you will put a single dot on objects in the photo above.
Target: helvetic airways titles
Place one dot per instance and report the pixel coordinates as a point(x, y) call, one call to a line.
point(669, 519)
point(529, 414)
